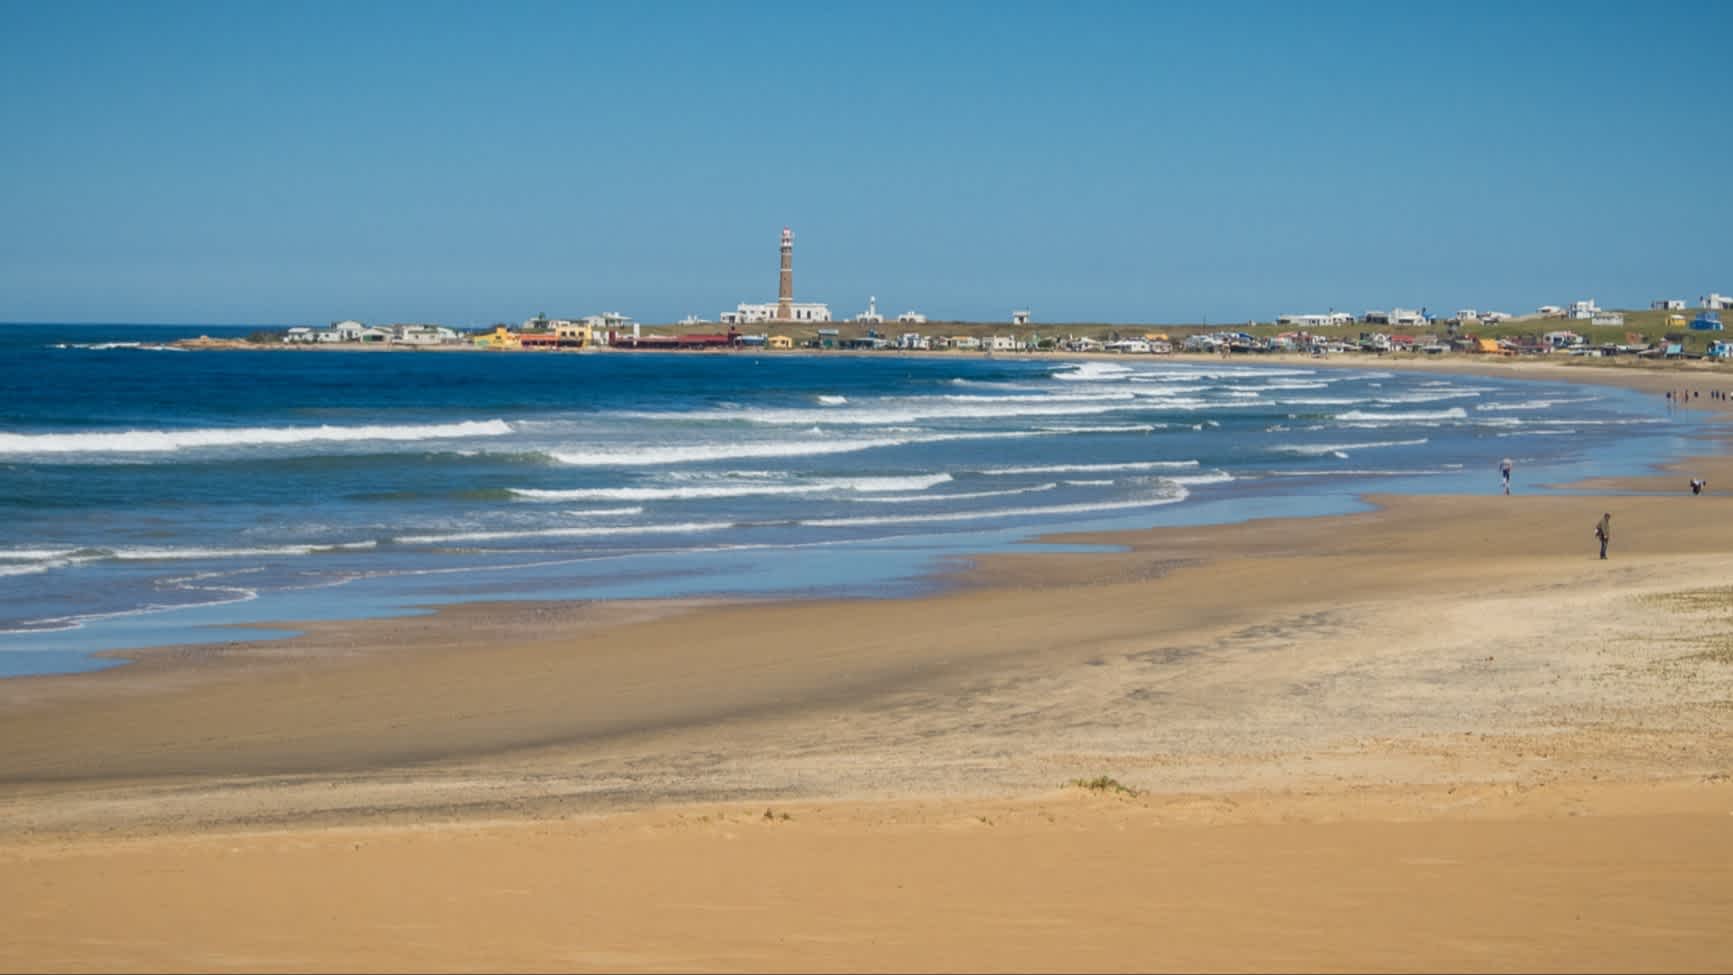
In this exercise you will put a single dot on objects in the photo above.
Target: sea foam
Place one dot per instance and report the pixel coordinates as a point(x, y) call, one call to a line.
point(1176, 494)
point(156, 441)
point(724, 490)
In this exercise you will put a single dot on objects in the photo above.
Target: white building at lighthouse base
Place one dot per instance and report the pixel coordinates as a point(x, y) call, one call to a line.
point(800, 311)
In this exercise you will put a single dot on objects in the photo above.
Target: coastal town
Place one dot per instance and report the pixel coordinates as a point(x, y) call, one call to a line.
point(1670, 328)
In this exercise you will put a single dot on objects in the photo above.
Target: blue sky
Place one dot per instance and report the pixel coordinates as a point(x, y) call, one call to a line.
point(467, 162)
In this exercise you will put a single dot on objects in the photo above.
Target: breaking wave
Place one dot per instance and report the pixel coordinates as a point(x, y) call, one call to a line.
point(1343, 449)
point(1141, 465)
point(1177, 494)
point(156, 441)
point(702, 491)
point(587, 532)
point(1362, 416)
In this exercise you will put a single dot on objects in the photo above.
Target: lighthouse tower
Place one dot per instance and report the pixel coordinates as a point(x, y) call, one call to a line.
point(785, 294)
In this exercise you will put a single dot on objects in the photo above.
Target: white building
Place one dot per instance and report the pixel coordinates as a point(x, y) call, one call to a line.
point(1607, 318)
point(1315, 321)
point(299, 335)
point(1002, 343)
point(1129, 345)
point(871, 316)
point(1668, 304)
point(422, 335)
point(1562, 339)
point(1407, 317)
point(1020, 317)
point(911, 318)
point(1717, 302)
point(1584, 309)
point(1550, 311)
point(965, 342)
point(611, 321)
point(799, 311)
point(912, 340)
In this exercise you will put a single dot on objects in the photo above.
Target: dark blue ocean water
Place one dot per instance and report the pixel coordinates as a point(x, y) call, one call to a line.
point(149, 495)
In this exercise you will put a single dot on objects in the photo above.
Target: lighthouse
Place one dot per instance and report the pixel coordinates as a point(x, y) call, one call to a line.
point(785, 293)
point(785, 308)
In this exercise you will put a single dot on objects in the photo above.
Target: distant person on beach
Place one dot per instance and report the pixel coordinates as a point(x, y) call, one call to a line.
point(1504, 474)
point(1604, 531)
point(1698, 484)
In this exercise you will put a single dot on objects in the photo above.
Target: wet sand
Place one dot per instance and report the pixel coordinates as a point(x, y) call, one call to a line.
point(1441, 734)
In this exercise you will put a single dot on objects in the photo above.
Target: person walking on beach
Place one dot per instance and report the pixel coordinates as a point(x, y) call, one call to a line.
point(1504, 474)
point(1604, 531)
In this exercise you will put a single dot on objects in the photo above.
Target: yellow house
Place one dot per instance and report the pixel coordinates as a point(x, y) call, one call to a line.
point(500, 338)
point(779, 342)
point(574, 333)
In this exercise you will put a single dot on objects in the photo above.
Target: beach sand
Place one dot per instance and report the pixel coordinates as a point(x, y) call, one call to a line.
point(1438, 735)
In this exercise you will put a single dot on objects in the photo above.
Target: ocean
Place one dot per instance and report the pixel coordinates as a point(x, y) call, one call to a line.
point(153, 496)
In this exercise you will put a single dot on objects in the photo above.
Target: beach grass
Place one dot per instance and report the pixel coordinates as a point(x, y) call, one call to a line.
point(1104, 784)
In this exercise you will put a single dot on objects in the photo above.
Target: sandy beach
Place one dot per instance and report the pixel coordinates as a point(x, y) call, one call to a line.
point(1438, 735)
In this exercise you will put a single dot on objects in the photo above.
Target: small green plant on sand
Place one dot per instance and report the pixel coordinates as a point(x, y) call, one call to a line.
point(1105, 784)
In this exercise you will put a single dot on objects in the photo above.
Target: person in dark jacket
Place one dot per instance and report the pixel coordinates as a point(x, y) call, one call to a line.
point(1604, 531)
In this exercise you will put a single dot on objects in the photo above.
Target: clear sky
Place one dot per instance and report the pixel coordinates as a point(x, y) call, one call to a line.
point(471, 162)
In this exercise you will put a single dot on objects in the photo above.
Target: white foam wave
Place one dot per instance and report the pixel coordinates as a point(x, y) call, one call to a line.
point(1533, 404)
point(1276, 384)
point(1363, 416)
point(153, 441)
point(587, 532)
point(105, 346)
point(905, 411)
point(1359, 473)
point(969, 496)
point(1427, 397)
point(54, 624)
point(606, 512)
point(1213, 477)
point(145, 554)
point(1178, 493)
point(1142, 465)
point(1109, 428)
point(1092, 483)
point(1342, 449)
point(832, 400)
point(688, 492)
point(1063, 397)
point(700, 453)
point(34, 554)
point(1092, 372)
